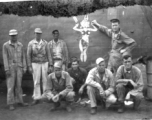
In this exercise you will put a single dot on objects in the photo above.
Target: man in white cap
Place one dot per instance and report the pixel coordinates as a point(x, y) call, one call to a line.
point(121, 43)
point(37, 57)
point(58, 50)
point(59, 88)
point(100, 86)
point(15, 65)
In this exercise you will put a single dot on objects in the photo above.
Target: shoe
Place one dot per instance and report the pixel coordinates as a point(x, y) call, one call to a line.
point(11, 107)
point(55, 106)
point(93, 110)
point(136, 104)
point(34, 102)
point(121, 108)
point(23, 104)
point(68, 109)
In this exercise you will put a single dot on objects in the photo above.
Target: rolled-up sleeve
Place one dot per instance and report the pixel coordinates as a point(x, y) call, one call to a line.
point(69, 86)
point(105, 30)
point(130, 43)
point(5, 58)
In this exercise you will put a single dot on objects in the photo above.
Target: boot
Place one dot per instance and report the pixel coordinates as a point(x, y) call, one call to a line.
point(137, 102)
point(11, 107)
point(93, 110)
point(121, 108)
point(34, 102)
point(23, 104)
point(55, 106)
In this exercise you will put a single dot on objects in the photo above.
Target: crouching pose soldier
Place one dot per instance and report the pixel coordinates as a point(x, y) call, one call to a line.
point(129, 83)
point(59, 88)
point(100, 85)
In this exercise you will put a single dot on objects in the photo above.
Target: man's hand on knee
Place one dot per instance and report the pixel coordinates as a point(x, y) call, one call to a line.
point(56, 98)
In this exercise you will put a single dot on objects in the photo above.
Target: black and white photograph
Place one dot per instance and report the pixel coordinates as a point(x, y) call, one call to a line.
point(75, 59)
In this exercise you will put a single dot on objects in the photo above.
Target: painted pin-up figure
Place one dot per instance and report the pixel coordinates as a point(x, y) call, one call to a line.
point(84, 28)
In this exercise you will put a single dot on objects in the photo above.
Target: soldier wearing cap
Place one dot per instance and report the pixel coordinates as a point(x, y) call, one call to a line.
point(15, 65)
point(100, 86)
point(58, 50)
point(59, 88)
point(121, 43)
point(37, 57)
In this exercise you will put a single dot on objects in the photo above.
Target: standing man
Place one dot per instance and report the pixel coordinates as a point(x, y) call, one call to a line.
point(58, 50)
point(59, 87)
point(15, 66)
point(37, 56)
point(79, 75)
point(121, 43)
point(129, 83)
point(100, 85)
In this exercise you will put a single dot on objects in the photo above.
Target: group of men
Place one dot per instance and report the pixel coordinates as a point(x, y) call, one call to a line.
point(119, 82)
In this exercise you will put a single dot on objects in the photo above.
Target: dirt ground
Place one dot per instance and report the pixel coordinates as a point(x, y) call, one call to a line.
point(41, 111)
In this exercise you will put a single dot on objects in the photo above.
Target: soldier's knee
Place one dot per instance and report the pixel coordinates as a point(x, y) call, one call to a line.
point(119, 86)
point(111, 99)
point(139, 96)
point(89, 88)
point(43, 98)
point(70, 96)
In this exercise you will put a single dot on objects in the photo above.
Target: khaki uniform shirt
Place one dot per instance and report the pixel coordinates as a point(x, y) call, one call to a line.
point(37, 52)
point(107, 82)
point(13, 54)
point(58, 51)
point(135, 75)
point(120, 40)
point(62, 86)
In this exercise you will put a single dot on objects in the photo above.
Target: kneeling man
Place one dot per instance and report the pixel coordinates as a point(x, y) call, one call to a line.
point(129, 83)
point(59, 88)
point(100, 85)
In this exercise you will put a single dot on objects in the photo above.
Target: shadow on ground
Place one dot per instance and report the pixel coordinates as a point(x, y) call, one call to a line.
point(41, 111)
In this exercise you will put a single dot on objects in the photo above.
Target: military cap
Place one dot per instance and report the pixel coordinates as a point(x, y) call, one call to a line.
point(13, 32)
point(99, 60)
point(38, 30)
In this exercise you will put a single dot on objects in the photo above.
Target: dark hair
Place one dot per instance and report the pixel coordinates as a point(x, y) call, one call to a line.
point(55, 31)
point(74, 59)
point(126, 56)
point(115, 21)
